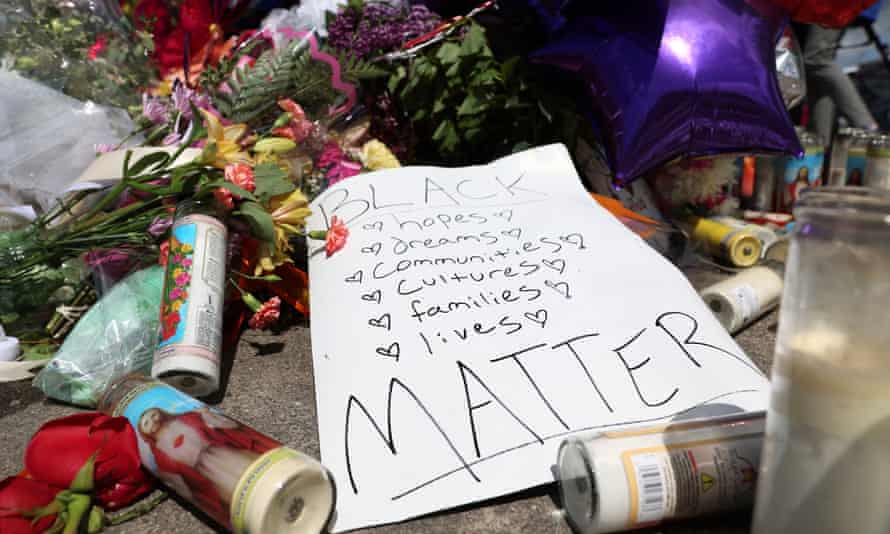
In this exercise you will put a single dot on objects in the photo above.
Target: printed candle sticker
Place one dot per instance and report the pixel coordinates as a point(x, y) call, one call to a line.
point(198, 452)
point(189, 344)
point(477, 317)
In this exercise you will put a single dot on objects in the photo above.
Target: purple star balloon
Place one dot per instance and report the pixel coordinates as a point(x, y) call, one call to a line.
point(672, 78)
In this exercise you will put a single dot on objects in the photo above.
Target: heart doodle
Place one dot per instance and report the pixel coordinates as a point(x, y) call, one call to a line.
point(373, 249)
point(385, 321)
point(515, 233)
point(573, 239)
point(507, 215)
point(558, 265)
point(374, 226)
point(357, 277)
point(390, 352)
point(374, 296)
point(539, 317)
point(560, 287)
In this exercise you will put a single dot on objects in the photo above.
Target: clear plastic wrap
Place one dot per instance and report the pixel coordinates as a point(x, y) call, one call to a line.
point(47, 139)
point(117, 336)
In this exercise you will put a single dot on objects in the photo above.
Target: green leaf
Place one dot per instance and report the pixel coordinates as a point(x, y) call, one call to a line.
point(252, 302)
point(474, 135)
point(83, 480)
point(475, 42)
point(318, 234)
point(261, 223)
point(447, 136)
point(396, 78)
point(96, 521)
point(449, 53)
point(471, 106)
point(271, 181)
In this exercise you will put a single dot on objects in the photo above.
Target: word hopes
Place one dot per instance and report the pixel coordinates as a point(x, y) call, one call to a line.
point(477, 317)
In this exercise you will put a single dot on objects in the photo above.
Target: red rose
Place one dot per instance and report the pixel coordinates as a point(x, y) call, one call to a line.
point(61, 447)
point(19, 495)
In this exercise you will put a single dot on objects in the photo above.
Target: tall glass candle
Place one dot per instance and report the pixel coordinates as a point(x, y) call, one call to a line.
point(826, 463)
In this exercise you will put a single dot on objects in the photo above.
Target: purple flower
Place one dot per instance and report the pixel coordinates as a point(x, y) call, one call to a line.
point(183, 98)
point(342, 170)
point(154, 109)
point(378, 28)
point(159, 226)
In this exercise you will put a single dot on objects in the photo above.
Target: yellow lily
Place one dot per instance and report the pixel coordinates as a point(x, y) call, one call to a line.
point(289, 212)
point(290, 208)
point(222, 143)
point(377, 156)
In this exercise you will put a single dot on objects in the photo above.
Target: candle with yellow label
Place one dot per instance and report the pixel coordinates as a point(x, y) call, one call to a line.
point(615, 481)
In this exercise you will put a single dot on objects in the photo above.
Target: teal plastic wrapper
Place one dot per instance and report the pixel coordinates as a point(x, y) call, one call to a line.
point(116, 337)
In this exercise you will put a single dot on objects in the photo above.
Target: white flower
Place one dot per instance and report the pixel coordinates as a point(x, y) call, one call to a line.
point(309, 15)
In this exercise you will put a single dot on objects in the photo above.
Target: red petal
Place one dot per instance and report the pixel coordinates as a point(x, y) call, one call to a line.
point(60, 448)
point(18, 493)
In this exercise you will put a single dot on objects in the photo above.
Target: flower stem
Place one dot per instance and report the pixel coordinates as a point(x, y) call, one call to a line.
point(139, 509)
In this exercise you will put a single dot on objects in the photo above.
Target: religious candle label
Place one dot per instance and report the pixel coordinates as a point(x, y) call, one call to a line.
point(478, 316)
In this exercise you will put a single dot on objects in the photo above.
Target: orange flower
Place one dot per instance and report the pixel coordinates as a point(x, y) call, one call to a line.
point(241, 174)
point(336, 238)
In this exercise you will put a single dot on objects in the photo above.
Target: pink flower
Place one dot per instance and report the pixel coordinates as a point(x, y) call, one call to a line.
point(241, 174)
point(224, 197)
point(154, 109)
point(175, 293)
point(159, 226)
point(331, 154)
point(103, 148)
point(342, 170)
point(337, 235)
point(266, 315)
point(245, 61)
point(177, 258)
point(98, 47)
point(299, 128)
point(186, 263)
point(183, 279)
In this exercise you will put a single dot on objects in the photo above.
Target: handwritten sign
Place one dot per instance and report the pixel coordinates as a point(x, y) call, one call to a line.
point(477, 317)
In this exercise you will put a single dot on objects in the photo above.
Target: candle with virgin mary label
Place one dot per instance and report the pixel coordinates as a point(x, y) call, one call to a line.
point(188, 352)
point(244, 480)
point(799, 174)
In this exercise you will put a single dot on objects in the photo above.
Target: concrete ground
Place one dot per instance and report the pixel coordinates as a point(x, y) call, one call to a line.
point(271, 388)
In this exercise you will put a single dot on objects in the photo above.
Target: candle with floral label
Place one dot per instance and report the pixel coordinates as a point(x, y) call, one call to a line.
point(245, 480)
point(188, 352)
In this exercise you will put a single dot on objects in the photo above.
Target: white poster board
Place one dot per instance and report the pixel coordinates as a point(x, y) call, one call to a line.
point(477, 317)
